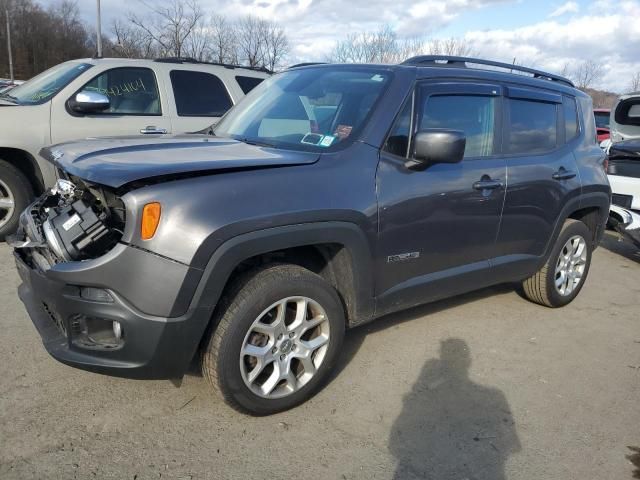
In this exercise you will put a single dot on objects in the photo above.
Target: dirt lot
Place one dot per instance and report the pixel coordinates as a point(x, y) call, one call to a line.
point(486, 386)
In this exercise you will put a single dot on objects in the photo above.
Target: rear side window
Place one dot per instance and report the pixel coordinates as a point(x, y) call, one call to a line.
point(628, 112)
point(472, 114)
point(532, 127)
point(248, 83)
point(570, 118)
point(199, 94)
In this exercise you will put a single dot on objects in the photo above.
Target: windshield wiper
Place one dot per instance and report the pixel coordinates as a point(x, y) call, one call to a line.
point(258, 143)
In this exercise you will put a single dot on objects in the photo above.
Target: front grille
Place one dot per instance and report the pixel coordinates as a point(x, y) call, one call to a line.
point(623, 201)
point(56, 319)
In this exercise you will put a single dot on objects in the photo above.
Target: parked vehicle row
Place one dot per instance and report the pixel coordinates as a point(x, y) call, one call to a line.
point(104, 97)
point(330, 196)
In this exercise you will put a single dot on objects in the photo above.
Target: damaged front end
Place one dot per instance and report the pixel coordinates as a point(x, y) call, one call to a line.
point(73, 221)
point(625, 222)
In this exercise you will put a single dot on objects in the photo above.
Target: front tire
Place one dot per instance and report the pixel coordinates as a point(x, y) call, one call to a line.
point(561, 278)
point(277, 335)
point(15, 195)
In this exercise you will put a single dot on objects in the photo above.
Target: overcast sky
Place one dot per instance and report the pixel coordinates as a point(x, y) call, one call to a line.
point(544, 33)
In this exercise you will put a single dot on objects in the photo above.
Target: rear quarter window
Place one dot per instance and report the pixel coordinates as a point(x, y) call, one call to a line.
point(248, 83)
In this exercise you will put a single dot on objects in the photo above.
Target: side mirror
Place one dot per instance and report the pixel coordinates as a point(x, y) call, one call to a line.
point(437, 146)
point(89, 102)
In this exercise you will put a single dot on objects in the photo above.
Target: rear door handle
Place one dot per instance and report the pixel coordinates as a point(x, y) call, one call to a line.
point(153, 130)
point(563, 174)
point(487, 184)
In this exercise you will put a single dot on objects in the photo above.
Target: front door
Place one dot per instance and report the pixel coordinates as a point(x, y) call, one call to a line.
point(438, 226)
point(136, 107)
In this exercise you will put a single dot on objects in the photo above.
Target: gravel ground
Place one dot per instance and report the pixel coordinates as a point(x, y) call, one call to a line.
point(484, 386)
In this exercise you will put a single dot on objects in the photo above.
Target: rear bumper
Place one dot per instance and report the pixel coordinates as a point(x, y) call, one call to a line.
point(152, 347)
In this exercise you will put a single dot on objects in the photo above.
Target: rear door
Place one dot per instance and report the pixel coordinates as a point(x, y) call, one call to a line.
point(137, 106)
point(200, 99)
point(541, 133)
point(438, 226)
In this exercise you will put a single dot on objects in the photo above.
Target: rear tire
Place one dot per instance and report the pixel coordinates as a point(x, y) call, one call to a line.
point(15, 195)
point(561, 278)
point(281, 314)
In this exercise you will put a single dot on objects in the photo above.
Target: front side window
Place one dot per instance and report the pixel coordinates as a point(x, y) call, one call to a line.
point(45, 86)
point(532, 127)
point(628, 111)
point(308, 109)
point(131, 91)
point(199, 94)
point(472, 114)
point(398, 140)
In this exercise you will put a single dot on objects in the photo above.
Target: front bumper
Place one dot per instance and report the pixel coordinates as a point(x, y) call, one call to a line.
point(152, 347)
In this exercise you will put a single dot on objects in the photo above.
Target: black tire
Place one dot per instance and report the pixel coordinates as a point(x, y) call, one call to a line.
point(21, 191)
point(540, 288)
point(244, 302)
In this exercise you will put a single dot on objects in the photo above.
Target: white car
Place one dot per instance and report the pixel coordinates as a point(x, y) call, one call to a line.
point(105, 97)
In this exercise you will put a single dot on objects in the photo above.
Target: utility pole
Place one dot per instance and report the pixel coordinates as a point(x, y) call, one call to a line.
point(99, 31)
point(6, 11)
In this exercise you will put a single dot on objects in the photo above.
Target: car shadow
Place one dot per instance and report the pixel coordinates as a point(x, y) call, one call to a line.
point(615, 243)
point(451, 427)
point(634, 458)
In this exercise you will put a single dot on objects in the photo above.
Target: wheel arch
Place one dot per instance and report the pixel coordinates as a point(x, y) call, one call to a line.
point(591, 208)
point(338, 251)
point(26, 164)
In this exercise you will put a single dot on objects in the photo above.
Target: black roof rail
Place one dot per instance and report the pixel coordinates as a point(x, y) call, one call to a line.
point(306, 64)
point(193, 60)
point(451, 61)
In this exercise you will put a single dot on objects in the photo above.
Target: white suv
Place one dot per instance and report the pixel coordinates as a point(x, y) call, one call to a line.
point(105, 97)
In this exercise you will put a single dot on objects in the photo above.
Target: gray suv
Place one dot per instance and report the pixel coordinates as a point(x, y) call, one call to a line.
point(331, 195)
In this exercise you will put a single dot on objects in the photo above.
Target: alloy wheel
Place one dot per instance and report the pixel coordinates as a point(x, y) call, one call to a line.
point(7, 204)
point(284, 347)
point(571, 265)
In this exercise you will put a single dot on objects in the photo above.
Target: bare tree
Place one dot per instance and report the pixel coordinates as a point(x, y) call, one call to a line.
point(198, 44)
point(276, 45)
point(132, 42)
point(383, 46)
point(587, 74)
point(169, 24)
point(223, 40)
point(634, 85)
point(455, 47)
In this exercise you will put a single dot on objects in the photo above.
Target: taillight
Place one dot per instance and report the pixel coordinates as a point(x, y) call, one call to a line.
point(150, 220)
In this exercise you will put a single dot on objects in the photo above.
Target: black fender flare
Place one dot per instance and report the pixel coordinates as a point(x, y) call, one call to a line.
point(600, 200)
point(242, 247)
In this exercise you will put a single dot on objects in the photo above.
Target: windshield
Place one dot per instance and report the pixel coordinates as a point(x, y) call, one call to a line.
point(602, 119)
point(309, 109)
point(44, 86)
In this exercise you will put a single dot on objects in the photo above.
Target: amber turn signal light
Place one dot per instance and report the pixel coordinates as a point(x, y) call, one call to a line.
point(150, 220)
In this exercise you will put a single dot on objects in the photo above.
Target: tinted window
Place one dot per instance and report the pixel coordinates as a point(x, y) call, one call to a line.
point(131, 91)
point(473, 115)
point(570, 118)
point(199, 94)
point(602, 119)
point(398, 140)
point(532, 126)
point(248, 83)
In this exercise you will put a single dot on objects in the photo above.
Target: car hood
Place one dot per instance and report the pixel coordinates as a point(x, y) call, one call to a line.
point(628, 149)
point(117, 161)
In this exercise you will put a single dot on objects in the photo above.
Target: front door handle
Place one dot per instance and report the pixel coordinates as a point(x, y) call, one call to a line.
point(153, 130)
point(486, 183)
point(563, 174)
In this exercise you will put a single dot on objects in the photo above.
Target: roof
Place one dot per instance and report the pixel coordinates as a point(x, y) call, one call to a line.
point(176, 60)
